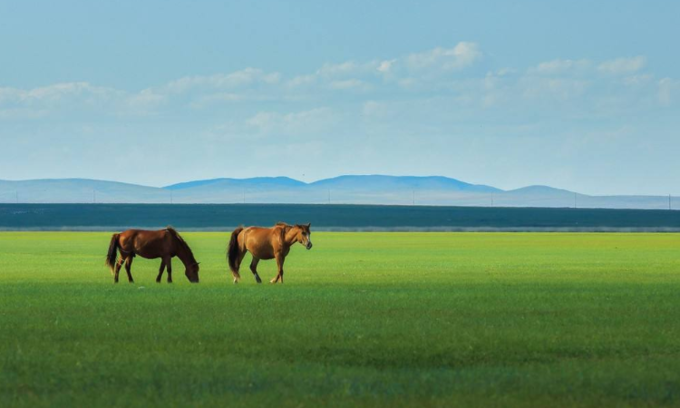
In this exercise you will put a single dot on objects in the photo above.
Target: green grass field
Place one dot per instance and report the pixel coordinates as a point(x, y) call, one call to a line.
point(390, 319)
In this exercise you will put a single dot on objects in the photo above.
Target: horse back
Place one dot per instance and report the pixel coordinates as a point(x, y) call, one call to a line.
point(147, 244)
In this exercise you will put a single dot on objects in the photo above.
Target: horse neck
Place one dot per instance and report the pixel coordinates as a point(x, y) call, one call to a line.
point(184, 254)
point(291, 236)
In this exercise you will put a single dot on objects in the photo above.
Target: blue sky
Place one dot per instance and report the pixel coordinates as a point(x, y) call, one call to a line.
point(571, 94)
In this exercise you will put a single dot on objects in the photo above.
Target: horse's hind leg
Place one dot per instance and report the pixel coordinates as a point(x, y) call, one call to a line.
point(253, 269)
point(160, 271)
point(237, 276)
point(128, 265)
point(119, 265)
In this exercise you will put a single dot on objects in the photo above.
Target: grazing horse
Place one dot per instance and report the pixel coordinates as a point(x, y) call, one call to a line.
point(164, 244)
point(265, 243)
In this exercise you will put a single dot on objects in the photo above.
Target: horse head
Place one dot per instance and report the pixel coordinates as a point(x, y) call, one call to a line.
point(191, 272)
point(304, 235)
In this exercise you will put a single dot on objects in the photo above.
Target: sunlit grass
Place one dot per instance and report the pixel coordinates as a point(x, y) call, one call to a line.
point(363, 319)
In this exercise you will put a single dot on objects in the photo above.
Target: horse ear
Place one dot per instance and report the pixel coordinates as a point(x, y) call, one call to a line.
point(309, 224)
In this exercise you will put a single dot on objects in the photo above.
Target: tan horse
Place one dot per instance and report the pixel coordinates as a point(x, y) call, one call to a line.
point(164, 244)
point(265, 243)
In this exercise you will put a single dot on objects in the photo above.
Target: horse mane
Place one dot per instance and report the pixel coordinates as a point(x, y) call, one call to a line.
point(182, 242)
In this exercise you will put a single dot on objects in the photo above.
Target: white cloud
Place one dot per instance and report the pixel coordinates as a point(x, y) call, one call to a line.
point(9, 95)
point(345, 68)
point(386, 66)
point(561, 66)
point(462, 55)
point(638, 80)
point(145, 100)
point(623, 65)
point(350, 84)
point(301, 81)
point(413, 77)
point(242, 78)
point(556, 88)
point(617, 66)
point(57, 92)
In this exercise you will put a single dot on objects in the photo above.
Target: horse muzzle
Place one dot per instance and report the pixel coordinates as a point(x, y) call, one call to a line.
point(308, 246)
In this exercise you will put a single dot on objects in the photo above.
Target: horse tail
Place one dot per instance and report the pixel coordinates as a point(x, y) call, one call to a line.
point(233, 251)
point(113, 252)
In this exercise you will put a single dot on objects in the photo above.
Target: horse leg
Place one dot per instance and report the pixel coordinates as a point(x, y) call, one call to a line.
point(237, 276)
point(253, 269)
point(119, 265)
point(160, 271)
point(279, 263)
point(128, 265)
point(169, 264)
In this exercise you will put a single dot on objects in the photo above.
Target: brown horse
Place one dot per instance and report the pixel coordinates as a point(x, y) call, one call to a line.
point(265, 243)
point(164, 244)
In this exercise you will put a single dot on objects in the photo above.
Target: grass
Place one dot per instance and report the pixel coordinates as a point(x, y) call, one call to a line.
point(390, 319)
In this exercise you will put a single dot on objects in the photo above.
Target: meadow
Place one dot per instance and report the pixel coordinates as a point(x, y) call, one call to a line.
point(364, 319)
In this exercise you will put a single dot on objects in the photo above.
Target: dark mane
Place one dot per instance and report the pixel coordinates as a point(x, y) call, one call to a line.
point(182, 242)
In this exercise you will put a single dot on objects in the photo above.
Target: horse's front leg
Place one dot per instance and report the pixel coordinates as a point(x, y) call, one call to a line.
point(169, 265)
point(280, 258)
point(160, 271)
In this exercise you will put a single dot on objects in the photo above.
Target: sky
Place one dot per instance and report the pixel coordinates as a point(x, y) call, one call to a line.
point(578, 95)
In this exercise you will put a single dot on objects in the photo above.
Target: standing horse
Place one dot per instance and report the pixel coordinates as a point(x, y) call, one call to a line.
point(265, 243)
point(164, 244)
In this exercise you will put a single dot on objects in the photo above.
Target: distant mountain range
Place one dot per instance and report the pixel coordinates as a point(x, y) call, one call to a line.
point(371, 189)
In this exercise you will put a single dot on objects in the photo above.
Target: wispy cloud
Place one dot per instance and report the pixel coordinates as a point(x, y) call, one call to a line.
point(303, 123)
point(238, 79)
point(58, 92)
point(561, 66)
point(462, 55)
point(452, 74)
point(623, 65)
